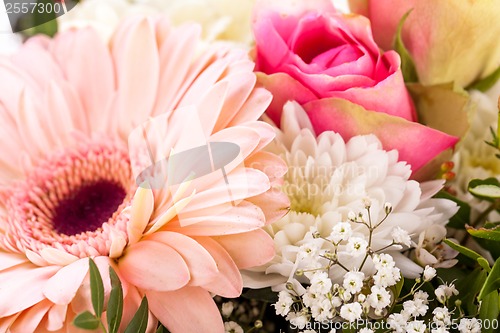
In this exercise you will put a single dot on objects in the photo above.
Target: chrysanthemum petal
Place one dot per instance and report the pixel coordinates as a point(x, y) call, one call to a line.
point(175, 310)
point(153, 265)
point(228, 283)
point(62, 287)
point(257, 242)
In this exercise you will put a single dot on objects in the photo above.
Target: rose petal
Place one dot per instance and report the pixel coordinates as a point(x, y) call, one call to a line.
point(417, 144)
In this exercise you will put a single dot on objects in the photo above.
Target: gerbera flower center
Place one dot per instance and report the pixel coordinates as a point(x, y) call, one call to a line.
point(87, 208)
point(72, 201)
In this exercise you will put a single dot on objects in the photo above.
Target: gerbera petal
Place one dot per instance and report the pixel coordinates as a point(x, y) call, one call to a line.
point(134, 44)
point(57, 257)
point(56, 317)
point(244, 217)
point(24, 284)
point(131, 303)
point(274, 167)
point(242, 183)
point(30, 319)
point(87, 65)
point(62, 287)
point(258, 242)
point(164, 269)
point(8, 260)
point(142, 208)
point(275, 204)
point(174, 65)
point(202, 267)
point(44, 67)
point(229, 282)
point(175, 310)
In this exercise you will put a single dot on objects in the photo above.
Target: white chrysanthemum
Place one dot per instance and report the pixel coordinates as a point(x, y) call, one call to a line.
point(221, 19)
point(474, 158)
point(328, 180)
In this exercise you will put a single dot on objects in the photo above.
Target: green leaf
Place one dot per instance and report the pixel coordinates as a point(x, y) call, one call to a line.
point(469, 287)
point(484, 264)
point(96, 289)
point(87, 321)
point(489, 311)
point(139, 322)
point(115, 304)
point(398, 287)
point(161, 329)
point(264, 294)
point(35, 22)
point(486, 189)
point(490, 234)
point(462, 217)
point(492, 282)
point(407, 64)
point(487, 82)
point(463, 250)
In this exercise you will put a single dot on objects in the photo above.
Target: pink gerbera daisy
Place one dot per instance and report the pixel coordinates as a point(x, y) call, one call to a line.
point(69, 180)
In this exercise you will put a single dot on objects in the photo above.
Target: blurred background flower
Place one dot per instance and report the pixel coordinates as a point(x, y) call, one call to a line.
point(449, 41)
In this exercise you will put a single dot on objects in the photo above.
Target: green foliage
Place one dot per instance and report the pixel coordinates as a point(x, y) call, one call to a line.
point(139, 322)
point(39, 21)
point(492, 282)
point(96, 289)
point(492, 234)
point(87, 321)
point(489, 310)
point(486, 83)
point(485, 189)
point(115, 303)
point(407, 64)
point(463, 250)
point(264, 294)
point(469, 287)
point(462, 217)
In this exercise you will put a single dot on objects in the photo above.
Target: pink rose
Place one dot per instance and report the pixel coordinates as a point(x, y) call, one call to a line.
point(449, 40)
point(315, 55)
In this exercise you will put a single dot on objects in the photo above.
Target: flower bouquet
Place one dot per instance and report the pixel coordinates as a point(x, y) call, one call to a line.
point(251, 166)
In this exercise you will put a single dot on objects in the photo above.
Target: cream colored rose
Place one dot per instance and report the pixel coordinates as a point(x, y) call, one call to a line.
point(449, 40)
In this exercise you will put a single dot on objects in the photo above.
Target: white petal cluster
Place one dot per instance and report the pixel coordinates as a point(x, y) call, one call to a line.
point(469, 325)
point(474, 158)
point(336, 190)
